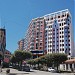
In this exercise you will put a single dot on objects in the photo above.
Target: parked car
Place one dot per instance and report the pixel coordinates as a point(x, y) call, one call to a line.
point(26, 68)
point(10, 66)
point(50, 69)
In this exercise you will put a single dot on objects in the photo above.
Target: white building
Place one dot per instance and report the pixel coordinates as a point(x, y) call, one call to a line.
point(58, 33)
point(55, 31)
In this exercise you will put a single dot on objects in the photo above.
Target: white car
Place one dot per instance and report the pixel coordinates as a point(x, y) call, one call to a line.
point(50, 69)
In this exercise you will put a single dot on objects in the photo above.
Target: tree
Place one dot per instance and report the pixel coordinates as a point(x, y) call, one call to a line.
point(58, 58)
point(27, 55)
point(20, 56)
point(49, 59)
point(13, 59)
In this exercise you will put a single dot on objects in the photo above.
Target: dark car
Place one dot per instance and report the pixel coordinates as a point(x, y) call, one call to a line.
point(26, 68)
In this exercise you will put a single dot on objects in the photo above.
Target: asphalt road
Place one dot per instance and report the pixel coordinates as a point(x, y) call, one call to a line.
point(33, 72)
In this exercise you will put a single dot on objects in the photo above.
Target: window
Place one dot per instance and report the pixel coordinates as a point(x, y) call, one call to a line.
point(50, 41)
point(69, 49)
point(62, 36)
point(53, 49)
point(53, 41)
point(57, 36)
point(66, 44)
point(69, 44)
point(57, 29)
point(62, 40)
point(63, 49)
point(57, 41)
point(68, 31)
point(58, 20)
point(41, 22)
point(69, 40)
point(53, 45)
point(60, 24)
point(51, 18)
point(68, 23)
point(48, 19)
point(60, 28)
point(67, 15)
point(58, 16)
point(69, 53)
point(40, 43)
point(50, 49)
point(41, 25)
point(60, 49)
point(68, 35)
point(57, 33)
point(53, 37)
point(40, 47)
point(62, 32)
point(61, 19)
point(53, 33)
point(62, 15)
point(50, 45)
point(36, 45)
point(62, 44)
point(64, 23)
point(33, 26)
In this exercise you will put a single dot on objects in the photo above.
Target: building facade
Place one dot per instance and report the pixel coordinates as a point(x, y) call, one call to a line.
point(3, 52)
point(2, 40)
point(34, 40)
point(21, 44)
point(7, 55)
point(59, 35)
point(51, 33)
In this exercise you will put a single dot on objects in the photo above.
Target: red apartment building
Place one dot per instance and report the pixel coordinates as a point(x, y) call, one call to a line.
point(34, 40)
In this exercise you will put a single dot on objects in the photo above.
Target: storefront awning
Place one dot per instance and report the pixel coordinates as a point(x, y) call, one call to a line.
point(70, 61)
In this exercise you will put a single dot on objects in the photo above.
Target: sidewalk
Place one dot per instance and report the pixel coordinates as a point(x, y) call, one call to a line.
point(13, 72)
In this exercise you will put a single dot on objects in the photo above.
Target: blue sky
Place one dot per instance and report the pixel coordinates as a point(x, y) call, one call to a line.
point(16, 15)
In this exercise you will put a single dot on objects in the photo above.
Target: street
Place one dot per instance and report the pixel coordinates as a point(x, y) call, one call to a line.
point(33, 72)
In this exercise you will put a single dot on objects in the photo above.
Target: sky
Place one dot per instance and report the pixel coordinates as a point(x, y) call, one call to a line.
point(16, 15)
